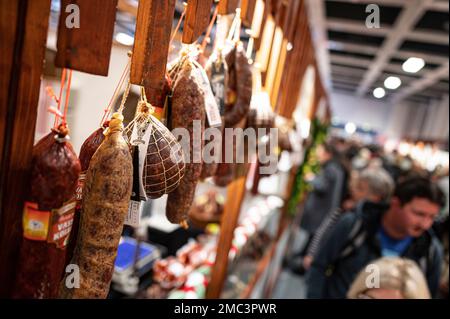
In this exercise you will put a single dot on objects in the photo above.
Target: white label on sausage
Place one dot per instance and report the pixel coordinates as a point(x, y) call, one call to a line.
point(142, 154)
point(134, 213)
point(211, 107)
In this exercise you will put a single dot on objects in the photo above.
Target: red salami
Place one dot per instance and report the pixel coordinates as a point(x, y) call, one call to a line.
point(47, 216)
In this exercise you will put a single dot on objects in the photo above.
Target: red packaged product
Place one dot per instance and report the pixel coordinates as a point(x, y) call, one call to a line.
point(48, 216)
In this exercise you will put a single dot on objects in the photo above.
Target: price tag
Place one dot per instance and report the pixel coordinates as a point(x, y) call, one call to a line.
point(211, 107)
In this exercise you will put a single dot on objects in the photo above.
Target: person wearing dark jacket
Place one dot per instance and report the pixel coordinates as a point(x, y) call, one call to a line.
point(372, 184)
point(327, 188)
point(401, 229)
point(326, 196)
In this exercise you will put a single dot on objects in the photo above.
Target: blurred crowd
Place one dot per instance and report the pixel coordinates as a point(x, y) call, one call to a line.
point(376, 225)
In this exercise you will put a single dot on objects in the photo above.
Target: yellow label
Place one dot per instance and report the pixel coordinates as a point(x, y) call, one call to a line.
point(159, 113)
point(35, 222)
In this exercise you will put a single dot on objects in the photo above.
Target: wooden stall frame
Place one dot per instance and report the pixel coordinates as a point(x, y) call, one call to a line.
point(87, 48)
point(151, 46)
point(197, 19)
point(21, 68)
point(228, 224)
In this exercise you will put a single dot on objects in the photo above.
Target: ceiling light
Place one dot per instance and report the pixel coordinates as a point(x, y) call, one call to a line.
point(350, 128)
point(392, 82)
point(379, 93)
point(124, 39)
point(413, 65)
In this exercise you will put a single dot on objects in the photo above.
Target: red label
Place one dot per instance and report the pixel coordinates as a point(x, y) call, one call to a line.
point(61, 224)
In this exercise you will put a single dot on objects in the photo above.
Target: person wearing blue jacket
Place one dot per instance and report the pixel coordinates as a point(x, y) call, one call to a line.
point(402, 228)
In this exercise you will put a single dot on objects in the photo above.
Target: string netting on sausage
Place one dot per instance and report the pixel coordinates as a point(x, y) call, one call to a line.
point(157, 160)
point(171, 181)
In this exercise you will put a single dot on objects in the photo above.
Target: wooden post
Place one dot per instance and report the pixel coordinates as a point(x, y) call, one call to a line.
point(8, 22)
point(228, 6)
point(318, 92)
point(88, 47)
point(198, 13)
point(151, 46)
point(247, 11)
point(235, 196)
point(21, 61)
point(301, 56)
point(276, 49)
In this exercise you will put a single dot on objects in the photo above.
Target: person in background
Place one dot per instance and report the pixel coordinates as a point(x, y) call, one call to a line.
point(390, 278)
point(372, 184)
point(402, 228)
point(325, 196)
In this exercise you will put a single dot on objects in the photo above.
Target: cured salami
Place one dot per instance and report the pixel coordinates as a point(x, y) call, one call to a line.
point(106, 197)
point(47, 217)
point(188, 105)
point(239, 86)
point(87, 150)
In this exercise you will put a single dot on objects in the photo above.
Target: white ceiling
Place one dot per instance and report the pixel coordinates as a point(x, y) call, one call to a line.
point(356, 59)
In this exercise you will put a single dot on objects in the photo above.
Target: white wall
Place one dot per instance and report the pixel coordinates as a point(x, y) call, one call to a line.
point(90, 95)
point(436, 125)
point(93, 94)
point(417, 121)
point(362, 112)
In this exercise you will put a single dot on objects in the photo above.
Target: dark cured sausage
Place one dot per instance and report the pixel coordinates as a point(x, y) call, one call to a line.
point(240, 84)
point(54, 174)
point(188, 105)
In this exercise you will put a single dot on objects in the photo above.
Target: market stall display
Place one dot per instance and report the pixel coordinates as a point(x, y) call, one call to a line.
point(123, 171)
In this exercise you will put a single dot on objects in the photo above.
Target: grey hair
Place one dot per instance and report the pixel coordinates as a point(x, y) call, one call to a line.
point(379, 181)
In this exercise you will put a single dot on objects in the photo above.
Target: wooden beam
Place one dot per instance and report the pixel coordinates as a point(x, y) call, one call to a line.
point(297, 60)
point(87, 48)
point(228, 6)
point(151, 46)
point(235, 196)
point(198, 14)
point(247, 12)
point(262, 12)
point(291, 19)
point(26, 33)
point(319, 92)
point(8, 17)
point(278, 53)
point(257, 19)
point(266, 41)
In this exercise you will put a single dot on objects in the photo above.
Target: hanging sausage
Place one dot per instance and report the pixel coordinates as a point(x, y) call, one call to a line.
point(106, 197)
point(188, 105)
point(160, 154)
point(49, 209)
point(87, 150)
